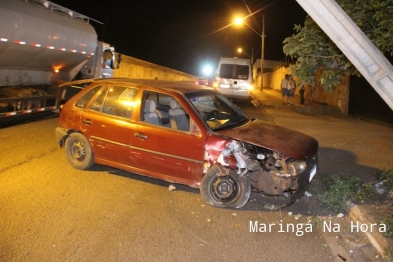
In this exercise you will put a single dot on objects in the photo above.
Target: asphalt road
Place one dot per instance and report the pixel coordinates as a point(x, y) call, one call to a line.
point(52, 212)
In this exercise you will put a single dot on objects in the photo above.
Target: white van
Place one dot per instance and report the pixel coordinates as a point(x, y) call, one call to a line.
point(233, 78)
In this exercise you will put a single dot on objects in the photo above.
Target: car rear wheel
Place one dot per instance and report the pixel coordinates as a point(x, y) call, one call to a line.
point(78, 151)
point(230, 190)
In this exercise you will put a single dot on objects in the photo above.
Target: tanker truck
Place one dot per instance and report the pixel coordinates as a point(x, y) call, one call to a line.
point(43, 44)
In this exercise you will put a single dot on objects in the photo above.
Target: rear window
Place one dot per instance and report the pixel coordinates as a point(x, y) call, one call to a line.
point(234, 71)
point(86, 97)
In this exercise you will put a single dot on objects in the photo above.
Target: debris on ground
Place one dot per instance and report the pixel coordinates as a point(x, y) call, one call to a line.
point(379, 187)
point(171, 187)
point(298, 216)
point(269, 207)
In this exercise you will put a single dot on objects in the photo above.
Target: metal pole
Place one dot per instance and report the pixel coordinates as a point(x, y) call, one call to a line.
point(252, 64)
point(252, 55)
point(262, 50)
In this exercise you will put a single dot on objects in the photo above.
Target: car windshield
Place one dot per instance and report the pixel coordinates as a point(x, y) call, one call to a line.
point(216, 110)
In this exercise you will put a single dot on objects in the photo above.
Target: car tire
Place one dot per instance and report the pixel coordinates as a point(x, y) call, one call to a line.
point(231, 191)
point(79, 152)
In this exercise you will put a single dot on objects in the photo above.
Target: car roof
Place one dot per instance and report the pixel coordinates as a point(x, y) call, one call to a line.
point(177, 86)
point(85, 81)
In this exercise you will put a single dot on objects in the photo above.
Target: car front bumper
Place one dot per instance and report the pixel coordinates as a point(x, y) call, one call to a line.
point(304, 179)
point(61, 134)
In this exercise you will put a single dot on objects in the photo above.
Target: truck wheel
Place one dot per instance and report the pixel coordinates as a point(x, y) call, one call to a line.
point(78, 151)
point(231, 190)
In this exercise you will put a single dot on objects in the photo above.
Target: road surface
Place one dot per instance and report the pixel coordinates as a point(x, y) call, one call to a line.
point(52, 212)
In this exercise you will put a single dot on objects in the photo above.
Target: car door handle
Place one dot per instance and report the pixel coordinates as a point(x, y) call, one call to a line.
point(140, 136)
point(87, 122)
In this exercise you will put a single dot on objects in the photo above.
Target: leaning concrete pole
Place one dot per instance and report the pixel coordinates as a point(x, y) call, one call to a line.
point(363, 54)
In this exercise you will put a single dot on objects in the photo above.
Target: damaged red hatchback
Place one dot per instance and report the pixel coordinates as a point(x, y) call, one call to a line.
point(188, 134)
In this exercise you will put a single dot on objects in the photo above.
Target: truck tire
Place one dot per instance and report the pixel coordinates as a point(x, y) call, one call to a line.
point(78, 151)
point(231, 191)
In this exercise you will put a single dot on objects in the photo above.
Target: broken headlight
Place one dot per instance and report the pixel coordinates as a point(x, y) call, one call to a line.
point(296, 167)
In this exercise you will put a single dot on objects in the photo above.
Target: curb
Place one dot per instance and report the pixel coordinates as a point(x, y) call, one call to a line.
point(375, 237)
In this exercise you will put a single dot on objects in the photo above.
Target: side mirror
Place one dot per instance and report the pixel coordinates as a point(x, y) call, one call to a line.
point(118, 61)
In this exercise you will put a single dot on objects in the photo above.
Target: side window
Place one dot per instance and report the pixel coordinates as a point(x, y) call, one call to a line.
point(164, 100)
point(167, 111)
point(153, 96)
point(108, 58)
point(116, 100)
point(126, 103)
point(86, 98)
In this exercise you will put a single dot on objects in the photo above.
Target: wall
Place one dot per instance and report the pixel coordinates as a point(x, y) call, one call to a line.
point(268, 66)
point(339, 98)
point(131, 67)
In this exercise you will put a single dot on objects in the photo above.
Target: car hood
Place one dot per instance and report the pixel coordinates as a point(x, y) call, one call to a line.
point(274, 137)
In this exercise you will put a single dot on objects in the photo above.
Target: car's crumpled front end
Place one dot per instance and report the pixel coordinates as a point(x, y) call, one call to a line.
point(258, 150)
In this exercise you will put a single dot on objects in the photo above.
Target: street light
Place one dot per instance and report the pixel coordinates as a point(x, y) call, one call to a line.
point(239, 21)
point(240, 50)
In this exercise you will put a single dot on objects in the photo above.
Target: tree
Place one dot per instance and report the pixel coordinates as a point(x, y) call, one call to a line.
point(314, 51)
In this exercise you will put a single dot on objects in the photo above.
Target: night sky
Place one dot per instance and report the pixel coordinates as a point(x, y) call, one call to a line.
point(187, 34)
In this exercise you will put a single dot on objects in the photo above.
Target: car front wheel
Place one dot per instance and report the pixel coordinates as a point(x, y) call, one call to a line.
point(230, 190)
point(78, 151)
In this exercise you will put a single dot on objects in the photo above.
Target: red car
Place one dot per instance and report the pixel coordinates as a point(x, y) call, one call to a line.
point(184, 133)
point(203, 81)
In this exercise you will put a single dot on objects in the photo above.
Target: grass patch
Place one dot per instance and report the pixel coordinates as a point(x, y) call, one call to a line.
point(337, 190)
point(366, 192)
point(388, 221)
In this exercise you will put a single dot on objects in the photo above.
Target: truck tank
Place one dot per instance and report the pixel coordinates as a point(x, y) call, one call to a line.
point(36, 41)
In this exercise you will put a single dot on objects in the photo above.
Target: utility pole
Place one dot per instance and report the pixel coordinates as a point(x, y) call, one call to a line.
point(262, 50)
point(252, 64)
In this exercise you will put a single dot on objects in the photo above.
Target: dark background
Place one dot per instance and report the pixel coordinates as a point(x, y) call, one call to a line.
point(185, 35)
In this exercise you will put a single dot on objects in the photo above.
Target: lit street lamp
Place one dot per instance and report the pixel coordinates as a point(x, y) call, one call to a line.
point(239, 21)
point(240, 50)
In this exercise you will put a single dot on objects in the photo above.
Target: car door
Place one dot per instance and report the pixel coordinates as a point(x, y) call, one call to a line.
point(108, 125)
point(167, 153)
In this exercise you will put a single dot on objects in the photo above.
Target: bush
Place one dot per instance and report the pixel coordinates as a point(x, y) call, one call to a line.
point(366, 192)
